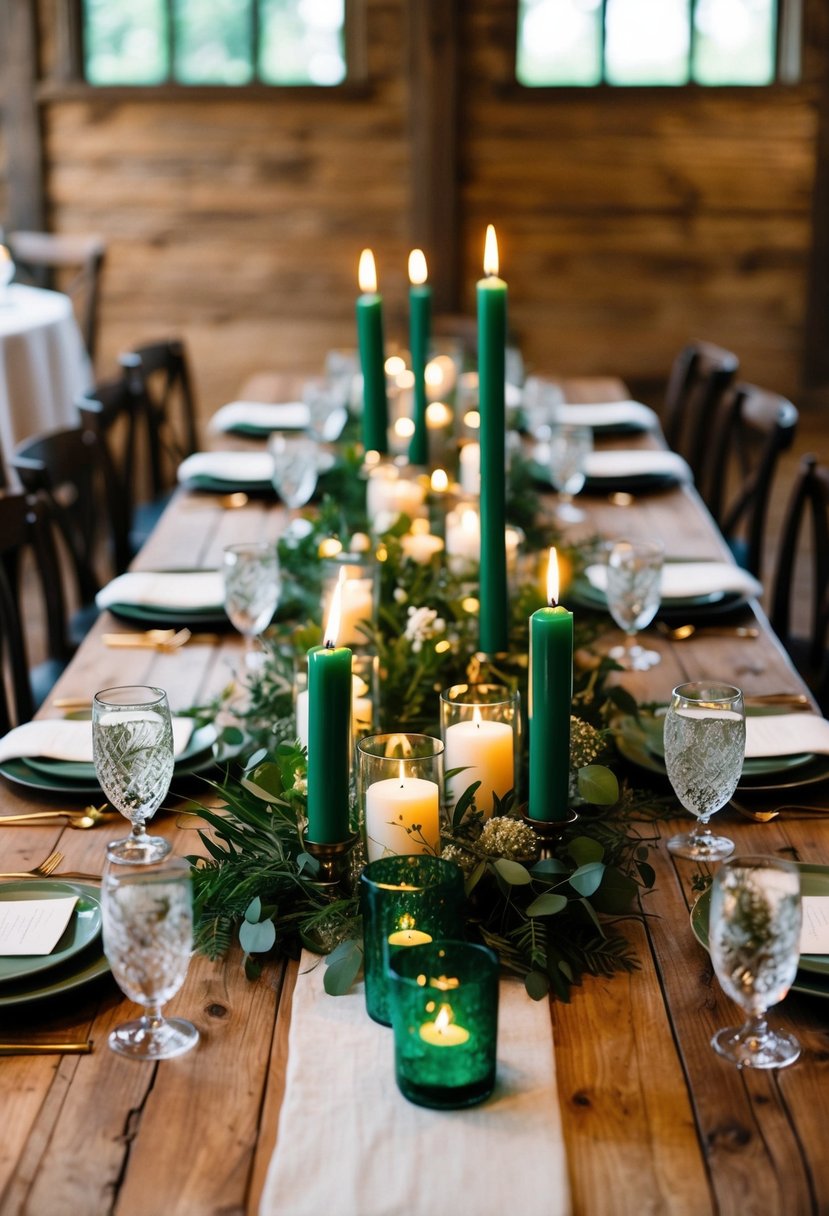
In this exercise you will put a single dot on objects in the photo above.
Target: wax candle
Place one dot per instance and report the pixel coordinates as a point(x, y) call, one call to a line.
point(389, 495)
point(402, 816)
point(550, 696)
point(329, 728)
point(370, 342)
point(470, 469)
point(421, 547)
point(443, 1032)
point(486, 753)
point(492, 341)
point(420, 309)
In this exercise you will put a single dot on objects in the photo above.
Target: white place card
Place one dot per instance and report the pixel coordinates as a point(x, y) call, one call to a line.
point(786, 734)
point(33, 926)
point(814, 936)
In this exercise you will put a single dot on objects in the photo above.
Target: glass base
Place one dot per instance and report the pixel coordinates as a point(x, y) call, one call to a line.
point(148, 1039)
point(635, 658)
point(139, 850)
point(446, 1097)
point(701, 846)
point(746, 1048)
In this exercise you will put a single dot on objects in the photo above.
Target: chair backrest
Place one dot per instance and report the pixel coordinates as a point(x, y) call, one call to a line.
point(117, 417)
point(700, 375)
point(160, 374)
point(809, 500)
point(749, 431)
point(68, 262)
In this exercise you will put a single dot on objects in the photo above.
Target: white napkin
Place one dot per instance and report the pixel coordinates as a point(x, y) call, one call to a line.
point(350, 1144)
point(180, 590)
point(70, 739)
point(608, 413)
point(785, 735)
point(634, 462)
point(683, 580)
point(263, 415)
point(235, 468)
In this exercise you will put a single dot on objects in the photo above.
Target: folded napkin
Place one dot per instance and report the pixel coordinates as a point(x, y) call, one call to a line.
point(685, 580)
point(384, 1156)
point(177, 590)
point(785, 735)
point(70, 739)
point(636, 463)
point(608, 413)
point(261, 416)
point(235, 468)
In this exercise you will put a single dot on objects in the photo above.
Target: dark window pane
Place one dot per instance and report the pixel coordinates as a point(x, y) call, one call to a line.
point(125, 43)
point(735, 41)
point(213, 41)
point(647, 42)
point(302, 42)
point(559, 42)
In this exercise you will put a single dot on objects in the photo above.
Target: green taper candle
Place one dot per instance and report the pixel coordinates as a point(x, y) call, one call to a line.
point(492, 342)
point(372, 357)
point(551, 692)
point(329, 722)
point(420, 315)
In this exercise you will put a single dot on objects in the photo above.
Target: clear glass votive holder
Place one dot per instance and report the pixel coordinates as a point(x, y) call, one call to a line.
point(444, 1010)
point(399, 783)
point(359, 599)
point(365, 676)
point(480, 725)
point(406, 902)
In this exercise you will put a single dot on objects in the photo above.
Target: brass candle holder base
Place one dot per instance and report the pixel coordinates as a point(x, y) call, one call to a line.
point(549, 831)
point(334, 875)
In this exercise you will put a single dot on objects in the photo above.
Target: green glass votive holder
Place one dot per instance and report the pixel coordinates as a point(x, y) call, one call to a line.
point(406, 901)
point(444, 1008)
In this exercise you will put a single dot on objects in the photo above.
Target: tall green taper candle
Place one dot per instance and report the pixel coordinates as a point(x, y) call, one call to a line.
point(492, 342)
point(372, 357)
point(551, 692)
point(420, 313)
point(329, 723)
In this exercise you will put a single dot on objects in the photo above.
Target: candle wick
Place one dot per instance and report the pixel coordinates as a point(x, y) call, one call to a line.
point(553, 603)
point(329, 645)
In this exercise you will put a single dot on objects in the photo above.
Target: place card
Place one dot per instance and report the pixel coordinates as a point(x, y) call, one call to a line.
point(814, 936)
point(33, 926)
point(785, 735)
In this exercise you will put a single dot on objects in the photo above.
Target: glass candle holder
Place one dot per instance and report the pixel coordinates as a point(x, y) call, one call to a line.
point(444, 1009)
point(358, 602)
point(365, 669)
point(480, 725)
point(399, 780)
point(389, 494)
point(406, 902)
point(463, 538)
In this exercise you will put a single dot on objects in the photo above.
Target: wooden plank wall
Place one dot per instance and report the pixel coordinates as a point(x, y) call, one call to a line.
point(629, 222)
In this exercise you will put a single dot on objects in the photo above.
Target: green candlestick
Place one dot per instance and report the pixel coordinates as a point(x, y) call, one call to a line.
point(420, 315)
point(372, 357)
point(492, 342)
point(551, 692)
point(329, 720)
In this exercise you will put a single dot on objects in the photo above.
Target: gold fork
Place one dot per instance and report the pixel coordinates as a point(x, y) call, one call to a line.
point(89, 817)
point(45, 868)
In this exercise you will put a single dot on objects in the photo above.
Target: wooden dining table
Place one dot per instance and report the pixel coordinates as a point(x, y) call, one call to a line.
point(654, 1121)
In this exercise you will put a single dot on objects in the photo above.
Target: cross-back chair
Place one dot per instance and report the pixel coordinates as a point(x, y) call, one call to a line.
point(700, 375)
point(69, 262)
point(159, 372)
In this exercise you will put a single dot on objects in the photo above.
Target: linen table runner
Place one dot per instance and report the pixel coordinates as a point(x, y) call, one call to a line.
point(349, 1143)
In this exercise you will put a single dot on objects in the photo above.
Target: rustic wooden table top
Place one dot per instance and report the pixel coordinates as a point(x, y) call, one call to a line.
point(654, 1121)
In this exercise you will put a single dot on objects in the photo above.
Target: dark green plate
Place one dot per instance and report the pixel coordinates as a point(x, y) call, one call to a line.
point(198, 618)
point(759, 766)
point(583, 591)
point(221, 485)
point(200, 741)
point(84, 925)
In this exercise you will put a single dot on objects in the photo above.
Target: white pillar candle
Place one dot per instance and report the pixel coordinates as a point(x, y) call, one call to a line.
point(463, 536)
point(470, 468)
point(421, 547)
point(389, 495)
point(362, 710)
point(302, 717)
point(356, 604)
point(395, 805)
point(485, 751)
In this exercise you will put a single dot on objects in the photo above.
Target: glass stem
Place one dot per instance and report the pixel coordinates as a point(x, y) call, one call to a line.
point(755, 1031)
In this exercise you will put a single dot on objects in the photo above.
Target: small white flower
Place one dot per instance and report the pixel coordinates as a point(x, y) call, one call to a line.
point(400, 596)
point(421, 626)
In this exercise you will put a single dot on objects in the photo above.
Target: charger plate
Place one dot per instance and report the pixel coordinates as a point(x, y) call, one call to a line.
point(84, 925)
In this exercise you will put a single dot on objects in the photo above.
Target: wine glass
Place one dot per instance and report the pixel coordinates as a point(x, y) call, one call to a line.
point(754, 937)
point(148, 939)
point(295, 468)
point(568, 448)
point(132, 746)
point(634, 578)
point(252, 589)
point(540, 399)
point(327, 401)
point(705, 737)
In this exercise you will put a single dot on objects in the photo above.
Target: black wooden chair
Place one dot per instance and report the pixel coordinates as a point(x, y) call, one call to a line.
point(809, 502)
point(700, 376)
point(750, 429)
point(159, 373)
point(67, 262)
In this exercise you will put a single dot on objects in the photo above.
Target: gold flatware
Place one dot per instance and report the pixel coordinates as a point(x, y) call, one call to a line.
point(679, 633)
point(766, 816)
point(72, 703)
point(787, 700)
point(89, 817)
point(152, 639)
point(46, 1049)
point(45, 868)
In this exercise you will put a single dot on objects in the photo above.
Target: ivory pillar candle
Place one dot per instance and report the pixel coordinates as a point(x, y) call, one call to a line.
point(485, 751)
point(402, 816)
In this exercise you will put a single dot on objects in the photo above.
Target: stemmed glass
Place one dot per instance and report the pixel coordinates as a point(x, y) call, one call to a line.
point(132, 746)
point(327, 399)
point(705, 737)
point(754, 937)
point(148, 939)
point(295, 468)
point(634, 577)
point(252, 589)
point(568, 448)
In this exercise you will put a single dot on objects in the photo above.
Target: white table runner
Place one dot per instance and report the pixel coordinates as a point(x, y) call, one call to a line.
point(350, 1144)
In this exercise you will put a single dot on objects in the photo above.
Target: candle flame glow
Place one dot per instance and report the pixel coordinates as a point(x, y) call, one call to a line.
point(443, 1018)
point(5, 256)
point(476, 716)
point(418, 273)
point(469, 521)
point(491, 251)
point(440, 481)
point(552, 578)
point(367, 273)
point(334, 614)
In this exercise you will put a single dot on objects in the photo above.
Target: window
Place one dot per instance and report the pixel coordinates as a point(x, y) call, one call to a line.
point(647, 42)
point(213, 42)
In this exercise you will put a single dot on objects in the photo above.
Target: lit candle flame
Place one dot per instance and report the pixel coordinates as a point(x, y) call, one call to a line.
point(552, 578)
point(443, 1018)
point(402, 771)
point(418, 274)
point(334, 614)
point(476, 716)
point(440, 481)
point(367, 274)
point(491, 251)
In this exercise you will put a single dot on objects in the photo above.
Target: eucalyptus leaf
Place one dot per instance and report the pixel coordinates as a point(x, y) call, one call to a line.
point(464, 803)
point(646, 873)
point(513, 872)
point(588, 878)
point(340, 975)
point(583, 850)
point(258, 791)
point(253, 912)
point(617, 892)
point(258, 938)
point(253, 968)
point(547, 905)
point(474, 878)
point(307, 864)
point(257, 758)
point(548, 866)
point(598, 785)
point(537, 985)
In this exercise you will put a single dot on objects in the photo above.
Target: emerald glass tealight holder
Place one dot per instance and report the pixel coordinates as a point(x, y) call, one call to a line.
point(444, 1009)
point(406, 901)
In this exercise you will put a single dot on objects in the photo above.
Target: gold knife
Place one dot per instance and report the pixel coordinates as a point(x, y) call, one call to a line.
point(46, 1049)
